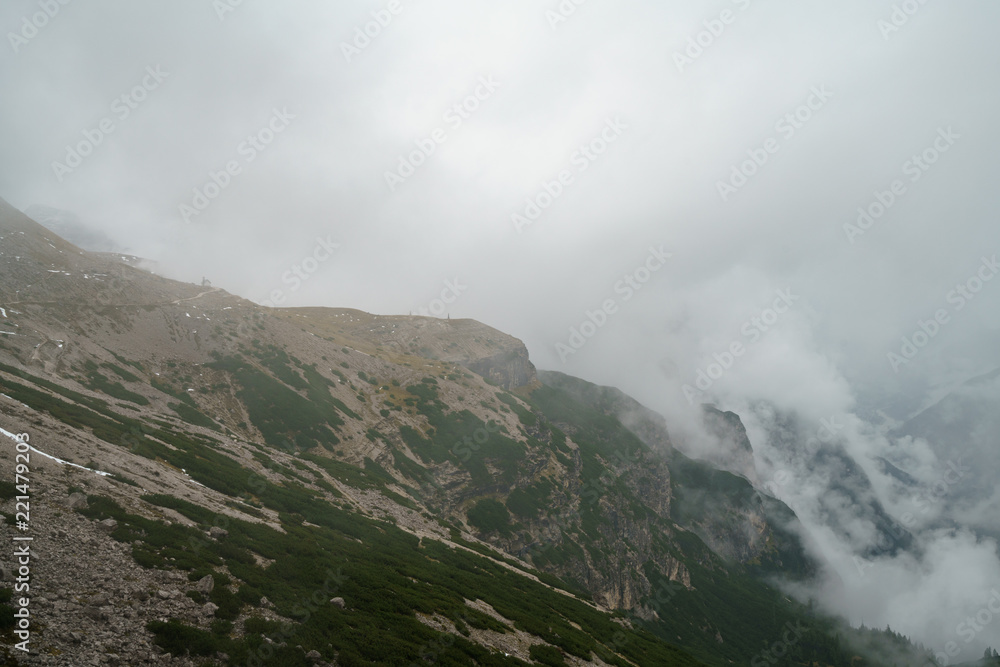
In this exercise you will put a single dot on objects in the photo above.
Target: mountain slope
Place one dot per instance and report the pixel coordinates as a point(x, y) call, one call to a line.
point(344, 483)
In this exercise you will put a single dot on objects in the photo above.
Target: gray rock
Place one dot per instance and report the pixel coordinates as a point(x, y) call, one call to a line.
point(209, 608)
point(96, 614)
point(217, 532)
point(205, 584)
point(338, 602)
point(108, 525)
point(76, 501)
point(315, 656)
point(164, 595)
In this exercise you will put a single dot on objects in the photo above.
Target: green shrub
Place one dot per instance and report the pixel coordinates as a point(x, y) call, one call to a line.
point(527, 417)
point(261, 626)
point(193, 416)
point(490, 515)
point(6, 611)
point(176, 638)
point(528, 502)
point(547, 655)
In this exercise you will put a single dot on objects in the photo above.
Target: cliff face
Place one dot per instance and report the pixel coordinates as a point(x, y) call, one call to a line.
point(714, 497)
point(509, 369)
point(613, 559)
point(735, 453)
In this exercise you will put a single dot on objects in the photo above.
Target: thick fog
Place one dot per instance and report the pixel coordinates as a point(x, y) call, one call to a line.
point(780, 208)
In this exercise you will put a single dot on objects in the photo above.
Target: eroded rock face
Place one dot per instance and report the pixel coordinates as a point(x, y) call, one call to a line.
point(509, 369)
point(735, 524)
point(735, 452)
point(612, 567)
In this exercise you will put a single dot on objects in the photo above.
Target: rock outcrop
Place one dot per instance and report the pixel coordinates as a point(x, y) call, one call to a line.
point(735, 453)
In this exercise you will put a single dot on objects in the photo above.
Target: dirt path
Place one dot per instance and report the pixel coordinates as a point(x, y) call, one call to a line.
point(192, 298)
point(118, 305)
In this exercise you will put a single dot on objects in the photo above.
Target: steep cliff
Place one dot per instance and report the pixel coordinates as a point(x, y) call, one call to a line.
point(735, 453)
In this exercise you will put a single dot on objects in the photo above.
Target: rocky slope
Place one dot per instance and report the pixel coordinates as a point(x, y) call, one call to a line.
point(325, 485)
point(499, 358)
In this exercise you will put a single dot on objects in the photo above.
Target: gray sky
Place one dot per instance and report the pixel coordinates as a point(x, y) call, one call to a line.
point(669, 121)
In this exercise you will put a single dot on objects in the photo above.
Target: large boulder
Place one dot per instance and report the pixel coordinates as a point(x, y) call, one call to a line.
point(205, 584)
